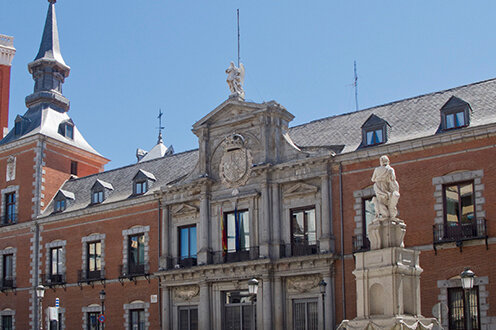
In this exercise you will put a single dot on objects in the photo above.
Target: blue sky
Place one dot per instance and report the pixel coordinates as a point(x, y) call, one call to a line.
point(130, 58)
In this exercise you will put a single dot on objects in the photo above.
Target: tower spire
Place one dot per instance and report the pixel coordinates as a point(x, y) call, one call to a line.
point(48, 68)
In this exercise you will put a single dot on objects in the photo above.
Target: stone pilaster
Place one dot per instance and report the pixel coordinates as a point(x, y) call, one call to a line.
point(325, 238)
point(265, 221)
point(204, 230)
point(204, 309)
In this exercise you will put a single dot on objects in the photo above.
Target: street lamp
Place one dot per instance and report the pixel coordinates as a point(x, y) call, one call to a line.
point(102, 299)
point(322, 288)
point(252, 290)
point(40, 293)
point(467, 277)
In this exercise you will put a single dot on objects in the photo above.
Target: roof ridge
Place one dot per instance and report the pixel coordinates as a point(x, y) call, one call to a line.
point(398, 101)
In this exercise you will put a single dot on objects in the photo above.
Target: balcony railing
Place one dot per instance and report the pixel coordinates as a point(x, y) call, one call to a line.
point(181, 262)
point(131, 272)
point(7, 220)
point(53, 279)
point(298, 249)
point(222, 257)
point(7, 283)
point(444, 233)
point(360, 243)
point(89, 276)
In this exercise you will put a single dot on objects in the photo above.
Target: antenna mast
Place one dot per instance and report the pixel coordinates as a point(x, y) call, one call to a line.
point(355, 84)
point(237, 12)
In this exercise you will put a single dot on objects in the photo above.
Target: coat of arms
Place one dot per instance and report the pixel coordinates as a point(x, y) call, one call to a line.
point(236, 161)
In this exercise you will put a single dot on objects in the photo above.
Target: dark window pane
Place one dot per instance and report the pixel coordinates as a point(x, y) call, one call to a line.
point(460, 119)
point(450, 120)
point(238, 230)
point(378, 136)
point(370, 138)
point(7, 322)
point(192, 241)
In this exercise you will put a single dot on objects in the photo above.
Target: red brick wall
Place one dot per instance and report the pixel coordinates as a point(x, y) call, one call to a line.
point(4, 97)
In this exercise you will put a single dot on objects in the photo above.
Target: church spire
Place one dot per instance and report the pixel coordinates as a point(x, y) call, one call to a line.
point(48, 68)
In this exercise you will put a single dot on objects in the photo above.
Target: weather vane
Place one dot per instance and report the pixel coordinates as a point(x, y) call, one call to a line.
point(160, 127)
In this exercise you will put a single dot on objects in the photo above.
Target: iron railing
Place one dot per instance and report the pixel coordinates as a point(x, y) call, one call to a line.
point(229, 256)
point(7, 283)
point(360, 243)
point(89, 276)
point(7, 220)
point(459, 232)
point(53, 279)
point(298, 249)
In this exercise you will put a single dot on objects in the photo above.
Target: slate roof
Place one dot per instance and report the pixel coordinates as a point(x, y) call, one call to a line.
point(409, 118)
point(164, 169)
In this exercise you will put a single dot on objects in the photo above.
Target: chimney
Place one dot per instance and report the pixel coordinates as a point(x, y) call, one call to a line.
point(7, 52)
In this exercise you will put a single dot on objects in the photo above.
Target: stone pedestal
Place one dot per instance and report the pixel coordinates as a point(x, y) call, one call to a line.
point(388, 282)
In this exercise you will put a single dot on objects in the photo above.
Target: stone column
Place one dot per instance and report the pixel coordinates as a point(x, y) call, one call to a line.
point(164, 234)
point(204, 309)
point(166, 310)
point(278, 304)
point(329, 303)
point(325, 238)
point(267, 303)
point(276, 223)
point(264, 222)
point(204, 246)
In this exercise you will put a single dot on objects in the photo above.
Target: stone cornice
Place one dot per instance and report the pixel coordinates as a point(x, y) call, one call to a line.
point(7, 50)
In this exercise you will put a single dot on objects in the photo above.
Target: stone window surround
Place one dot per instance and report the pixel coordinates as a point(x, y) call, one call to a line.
point(6, 191)
point(9, 312)
point(176, 225)
point(136, 305)
point(89, 309)
point(48, 247)
point(359, 195)
point(125, 248)
point(481, 282)
point(13, 251)
point(307, 201)
point(461, 176)
point(90, 239)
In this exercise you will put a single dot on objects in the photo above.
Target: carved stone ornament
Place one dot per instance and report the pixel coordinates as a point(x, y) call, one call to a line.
point(11, 168)
point(235, 164)
point(303, 283)
point(186, 292)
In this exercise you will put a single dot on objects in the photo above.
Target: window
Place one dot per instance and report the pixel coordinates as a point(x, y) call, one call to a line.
point(375, 137)
point(305, 314)
point(455, 114)
point(7, 322)
point(56, 264)
point(60, 205)
point(10, 208)
point(361, 241)
point(459, 210)
point(140, 187)
point(187, 246)
point(458, 311)
point(238, 231)
point(137, 319)
point(303, 232)
point(69, 131)
point(74, 167)
point(136, 264)
point(188, 318)
point(94, 261)
point(455, 120)
point(97, 197)
point(92, 322)
point(8, 271)
point(238, 311)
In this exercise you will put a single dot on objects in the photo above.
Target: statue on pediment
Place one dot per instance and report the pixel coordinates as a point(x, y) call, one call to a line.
point(235, 80)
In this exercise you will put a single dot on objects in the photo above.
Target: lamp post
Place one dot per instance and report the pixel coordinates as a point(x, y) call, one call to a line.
point(322, 287)
point(252, 290)
point(102, 299)
point(467, 277)
point(40, 293)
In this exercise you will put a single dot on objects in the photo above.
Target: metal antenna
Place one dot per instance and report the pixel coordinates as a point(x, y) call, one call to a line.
point(237, 11)
point(355, 84)
point(160, 127)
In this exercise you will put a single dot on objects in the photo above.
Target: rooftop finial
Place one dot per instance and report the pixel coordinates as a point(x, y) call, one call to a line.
point(52, 1)
point(160, 127)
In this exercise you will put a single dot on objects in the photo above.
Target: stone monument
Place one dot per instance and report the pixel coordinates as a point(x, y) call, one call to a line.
point(387, 276)
point(235, 80)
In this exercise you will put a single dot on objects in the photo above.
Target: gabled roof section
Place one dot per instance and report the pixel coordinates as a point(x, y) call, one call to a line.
point(142, 174)
point(455, 102)
point(65, 194)
point(374, 121)
point(102, 184)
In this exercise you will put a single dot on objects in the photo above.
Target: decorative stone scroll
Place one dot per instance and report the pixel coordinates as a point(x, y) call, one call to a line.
point(186, 292)
point(303, 283)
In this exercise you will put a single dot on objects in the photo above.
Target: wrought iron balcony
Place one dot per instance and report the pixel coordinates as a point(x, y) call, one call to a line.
point(131, 272)
point(296, 249)
point(182, 262)
point(90, 276)
point(245, 254)
point(7, 220)
point(459, 232)
point(7, 284)
point(360, 243)
point(53, 279)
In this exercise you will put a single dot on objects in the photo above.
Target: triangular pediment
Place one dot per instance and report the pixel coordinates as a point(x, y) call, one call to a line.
point(300, 188)
point(184, 209)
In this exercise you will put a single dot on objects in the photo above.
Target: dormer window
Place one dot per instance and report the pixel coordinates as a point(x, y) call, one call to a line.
point(19, 124)
point(66, 129)
point(142, 181)
point(100, 191)
point(97, 197)
point(61, 200)
point(455, 114)
point(374, 131)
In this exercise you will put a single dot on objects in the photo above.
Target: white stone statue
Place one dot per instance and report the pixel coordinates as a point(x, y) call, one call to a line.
point(235, 79)
point(387, 190)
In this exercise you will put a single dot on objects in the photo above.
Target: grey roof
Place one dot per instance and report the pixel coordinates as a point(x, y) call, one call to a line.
point(104, 184)
point(66, 194)
point(147, 174)
point(164, 169)
point(49, 47)
point(408, 119)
